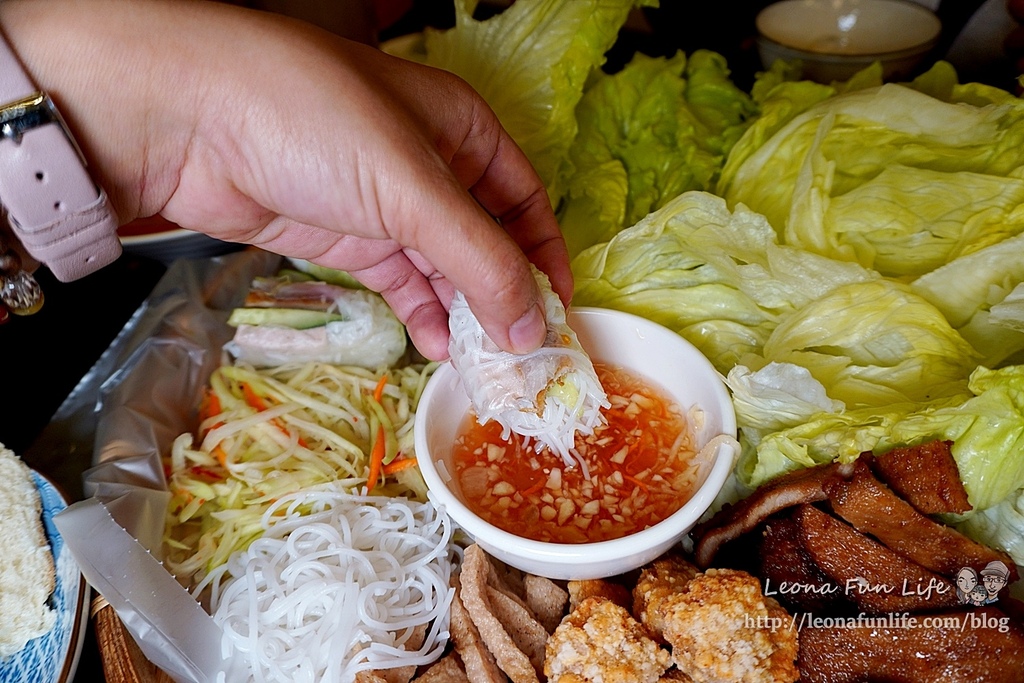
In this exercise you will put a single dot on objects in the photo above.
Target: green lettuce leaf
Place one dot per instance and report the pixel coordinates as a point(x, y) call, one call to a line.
point(827, 437)
point(891, 177)
point(1000, 526)
point(985, 424)
point(987, 432)
point(531, 63)
point(976, 294)
point(655, 129)
point(716, 277)
point(875, 343)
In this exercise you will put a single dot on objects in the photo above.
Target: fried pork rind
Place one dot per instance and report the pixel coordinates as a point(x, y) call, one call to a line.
point(445, 670)
point(398, 674)
point(661, 579)
point(506, 626)
point(722, 629)
point(477, 660)
point(546, 599)
point(601, 642)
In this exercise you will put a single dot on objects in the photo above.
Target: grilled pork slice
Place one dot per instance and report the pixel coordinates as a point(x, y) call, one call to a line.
point(791, 575)
point(876, 579)
point(961, 645)
point(926, 476)
point(874, 509)
point(732, 521)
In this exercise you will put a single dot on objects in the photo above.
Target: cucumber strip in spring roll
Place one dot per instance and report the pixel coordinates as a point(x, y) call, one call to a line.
point(548, 395)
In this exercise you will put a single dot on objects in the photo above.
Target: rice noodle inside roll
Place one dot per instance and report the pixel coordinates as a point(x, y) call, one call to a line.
point(548, 395)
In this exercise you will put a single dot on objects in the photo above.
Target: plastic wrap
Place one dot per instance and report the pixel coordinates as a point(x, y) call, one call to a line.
point(142, 393)
point(548, 395)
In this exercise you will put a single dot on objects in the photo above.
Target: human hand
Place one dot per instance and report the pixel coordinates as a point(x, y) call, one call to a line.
point(261, 130)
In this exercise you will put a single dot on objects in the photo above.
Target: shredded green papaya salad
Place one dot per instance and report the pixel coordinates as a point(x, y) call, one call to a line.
point(265, 433)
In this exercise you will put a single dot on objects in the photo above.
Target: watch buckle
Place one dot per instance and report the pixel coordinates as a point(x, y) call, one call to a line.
point(35, 110)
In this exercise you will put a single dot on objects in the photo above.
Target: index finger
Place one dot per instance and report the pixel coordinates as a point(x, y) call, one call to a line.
point(508, 187)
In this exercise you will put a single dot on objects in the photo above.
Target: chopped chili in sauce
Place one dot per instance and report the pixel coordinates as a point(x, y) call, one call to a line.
point(640, 464)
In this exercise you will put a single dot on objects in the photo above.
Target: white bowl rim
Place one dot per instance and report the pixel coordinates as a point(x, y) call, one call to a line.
point(911, 6)
point(665, 531)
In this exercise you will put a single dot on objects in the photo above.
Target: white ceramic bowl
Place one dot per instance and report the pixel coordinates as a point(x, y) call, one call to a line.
point(834, 39)
point(614, 337)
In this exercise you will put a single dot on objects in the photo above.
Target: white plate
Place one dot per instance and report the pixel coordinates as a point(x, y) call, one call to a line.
point(161, 240)
point(53, 658)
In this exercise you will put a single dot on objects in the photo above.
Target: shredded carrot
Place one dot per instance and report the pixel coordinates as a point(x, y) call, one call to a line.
point(221, 455)
point(536, 487)
point(378, 392)
point(635, 481)
point(398, 465)
point(376, 459)
point(380, 445)
point(206, 472)
point(252, 398)
point(257, 402)
point(209, 406)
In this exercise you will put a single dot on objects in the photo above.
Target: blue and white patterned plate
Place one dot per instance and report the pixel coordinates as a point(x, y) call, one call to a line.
point(53, 657)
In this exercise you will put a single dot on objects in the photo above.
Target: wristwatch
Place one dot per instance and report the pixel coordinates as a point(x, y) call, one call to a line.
point(60, 215)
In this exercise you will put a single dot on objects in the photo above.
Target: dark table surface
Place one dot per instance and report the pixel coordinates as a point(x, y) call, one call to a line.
point(45, 355)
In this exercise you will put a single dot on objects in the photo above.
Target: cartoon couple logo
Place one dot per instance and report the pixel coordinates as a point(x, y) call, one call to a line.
point(981, 588)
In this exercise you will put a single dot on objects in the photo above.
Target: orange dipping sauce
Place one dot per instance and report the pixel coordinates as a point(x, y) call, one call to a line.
point(641, 468)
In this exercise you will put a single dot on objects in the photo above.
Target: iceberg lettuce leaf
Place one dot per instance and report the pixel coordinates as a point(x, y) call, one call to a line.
point(827, 437)
point(1000, 526)
point(717, 277)
point(987, 432)
point(875, 343)
point(890, 177)
point(662, 124)
point(985, 424)
point(976, 294)
point(531, 63)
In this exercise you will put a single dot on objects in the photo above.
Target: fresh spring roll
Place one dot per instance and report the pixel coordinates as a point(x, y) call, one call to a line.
point(548, 395)
point(299, 322)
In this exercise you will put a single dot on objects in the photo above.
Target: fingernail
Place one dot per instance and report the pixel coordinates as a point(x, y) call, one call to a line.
point(527, 333)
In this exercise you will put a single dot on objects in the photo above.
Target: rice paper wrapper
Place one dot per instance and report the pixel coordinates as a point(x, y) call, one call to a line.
point(142, 393)
point(549, 395)
point(370, 335)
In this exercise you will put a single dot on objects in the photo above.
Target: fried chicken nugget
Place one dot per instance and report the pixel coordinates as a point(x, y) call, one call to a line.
point(581, 589)
point(661, 579)
point(723, 629)
point(601, 642)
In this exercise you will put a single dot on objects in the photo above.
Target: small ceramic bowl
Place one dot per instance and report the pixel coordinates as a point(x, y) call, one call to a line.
point(834, 39)
point(626, 340)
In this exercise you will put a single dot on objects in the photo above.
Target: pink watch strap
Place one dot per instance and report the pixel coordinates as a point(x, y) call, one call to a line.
point(61, 216)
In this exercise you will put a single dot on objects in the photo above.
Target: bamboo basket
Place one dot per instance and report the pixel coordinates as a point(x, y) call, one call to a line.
point(123, 661)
